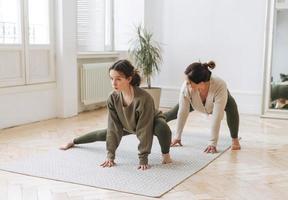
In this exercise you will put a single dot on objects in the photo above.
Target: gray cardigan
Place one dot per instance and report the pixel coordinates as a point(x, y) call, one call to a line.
point(136, 118)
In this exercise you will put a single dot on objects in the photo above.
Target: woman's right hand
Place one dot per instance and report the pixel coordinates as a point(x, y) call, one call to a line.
point(108, 163)
point(144, 167)
point(210, 149)
point(176, 142)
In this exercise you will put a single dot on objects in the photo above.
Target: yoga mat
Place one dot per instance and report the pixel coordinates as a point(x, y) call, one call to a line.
point(81, 165)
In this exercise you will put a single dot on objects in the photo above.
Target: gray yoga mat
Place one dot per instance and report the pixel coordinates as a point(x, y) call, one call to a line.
point(80, 165)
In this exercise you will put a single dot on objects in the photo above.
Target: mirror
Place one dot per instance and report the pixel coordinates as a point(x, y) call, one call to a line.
point(275, 94)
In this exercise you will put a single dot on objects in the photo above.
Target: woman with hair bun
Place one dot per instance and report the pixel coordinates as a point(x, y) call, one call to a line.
point(131, 111)
point(206, 94)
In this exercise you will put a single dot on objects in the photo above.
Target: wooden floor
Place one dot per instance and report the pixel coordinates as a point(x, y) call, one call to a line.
point(258, 171)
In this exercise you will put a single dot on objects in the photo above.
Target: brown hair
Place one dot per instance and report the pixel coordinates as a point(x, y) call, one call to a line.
point(198, 72)
point(127, 69)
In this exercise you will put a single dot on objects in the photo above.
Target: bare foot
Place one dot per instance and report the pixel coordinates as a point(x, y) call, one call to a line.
point(235, 144)
point(166, 158)
point(67, 146)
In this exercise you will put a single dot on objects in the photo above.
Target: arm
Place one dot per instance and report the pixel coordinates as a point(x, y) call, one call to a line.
point(144, 128)
point(114, 131)
point(183, 112)
point(220, 100)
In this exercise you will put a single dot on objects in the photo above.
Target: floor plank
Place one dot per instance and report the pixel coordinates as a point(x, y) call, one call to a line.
point(258, 171)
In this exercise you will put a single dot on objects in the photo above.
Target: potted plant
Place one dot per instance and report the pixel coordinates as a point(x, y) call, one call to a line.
point(146, 54)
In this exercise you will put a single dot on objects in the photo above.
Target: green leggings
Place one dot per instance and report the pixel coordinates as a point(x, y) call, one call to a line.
point(232, 115)
point(279, 92)
point(161, 130)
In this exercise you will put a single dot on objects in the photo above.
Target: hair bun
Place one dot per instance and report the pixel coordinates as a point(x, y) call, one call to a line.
point(211, 64)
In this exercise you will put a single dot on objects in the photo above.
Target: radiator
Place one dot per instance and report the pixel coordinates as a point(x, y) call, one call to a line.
point(95, 85)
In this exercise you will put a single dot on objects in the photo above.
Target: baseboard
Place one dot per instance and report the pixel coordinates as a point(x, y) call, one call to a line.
point(249, 102)
point(84, 108)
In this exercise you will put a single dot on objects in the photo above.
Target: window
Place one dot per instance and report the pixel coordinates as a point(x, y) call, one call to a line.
point(26, 50)
point(94, 25)
point(38, 21)
point(107, 25)
point(127, 15)
point(10, 26)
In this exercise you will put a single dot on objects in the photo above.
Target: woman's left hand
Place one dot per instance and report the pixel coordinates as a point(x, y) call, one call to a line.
point(108, 163)
point(211, 149)
point(144, 167)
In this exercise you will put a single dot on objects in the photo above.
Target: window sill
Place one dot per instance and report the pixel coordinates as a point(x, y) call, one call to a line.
point(111, 54)
point(27, 88)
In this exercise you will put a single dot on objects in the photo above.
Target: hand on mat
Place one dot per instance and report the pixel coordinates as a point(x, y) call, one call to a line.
point(108, 163)
point(176, 142)
point(144, 167)
point(210, 149)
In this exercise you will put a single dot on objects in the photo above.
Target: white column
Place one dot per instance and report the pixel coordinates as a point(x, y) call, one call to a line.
point(66, 58)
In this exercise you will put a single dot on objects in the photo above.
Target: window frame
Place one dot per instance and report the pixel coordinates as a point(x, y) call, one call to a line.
point(105, 47)
point(114, 35)
point(25, 50)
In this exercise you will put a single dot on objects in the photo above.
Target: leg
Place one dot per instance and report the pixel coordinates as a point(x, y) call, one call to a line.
point(163, 133)
point(232, 117)
point(279, 92)
point(99, 135)
point(172, 113)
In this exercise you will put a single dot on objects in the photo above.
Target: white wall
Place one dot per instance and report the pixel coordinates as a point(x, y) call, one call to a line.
point(23, 105)
point(230, 32)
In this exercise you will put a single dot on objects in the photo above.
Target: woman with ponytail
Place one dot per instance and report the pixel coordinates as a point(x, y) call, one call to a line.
point(207, 94)
point(131, 111)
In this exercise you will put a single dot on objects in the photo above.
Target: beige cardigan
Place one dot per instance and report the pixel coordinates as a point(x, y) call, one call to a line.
point(215, 104)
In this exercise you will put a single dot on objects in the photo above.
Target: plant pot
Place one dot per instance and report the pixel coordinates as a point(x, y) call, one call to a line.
point(155, 93)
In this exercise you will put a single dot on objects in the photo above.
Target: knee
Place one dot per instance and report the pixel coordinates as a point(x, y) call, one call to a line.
point(166, 129)
point(161, 127)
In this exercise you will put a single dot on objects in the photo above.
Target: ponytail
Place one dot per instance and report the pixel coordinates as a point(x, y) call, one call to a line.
point(128, 70)
point(211, 65)
point(136, 79)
